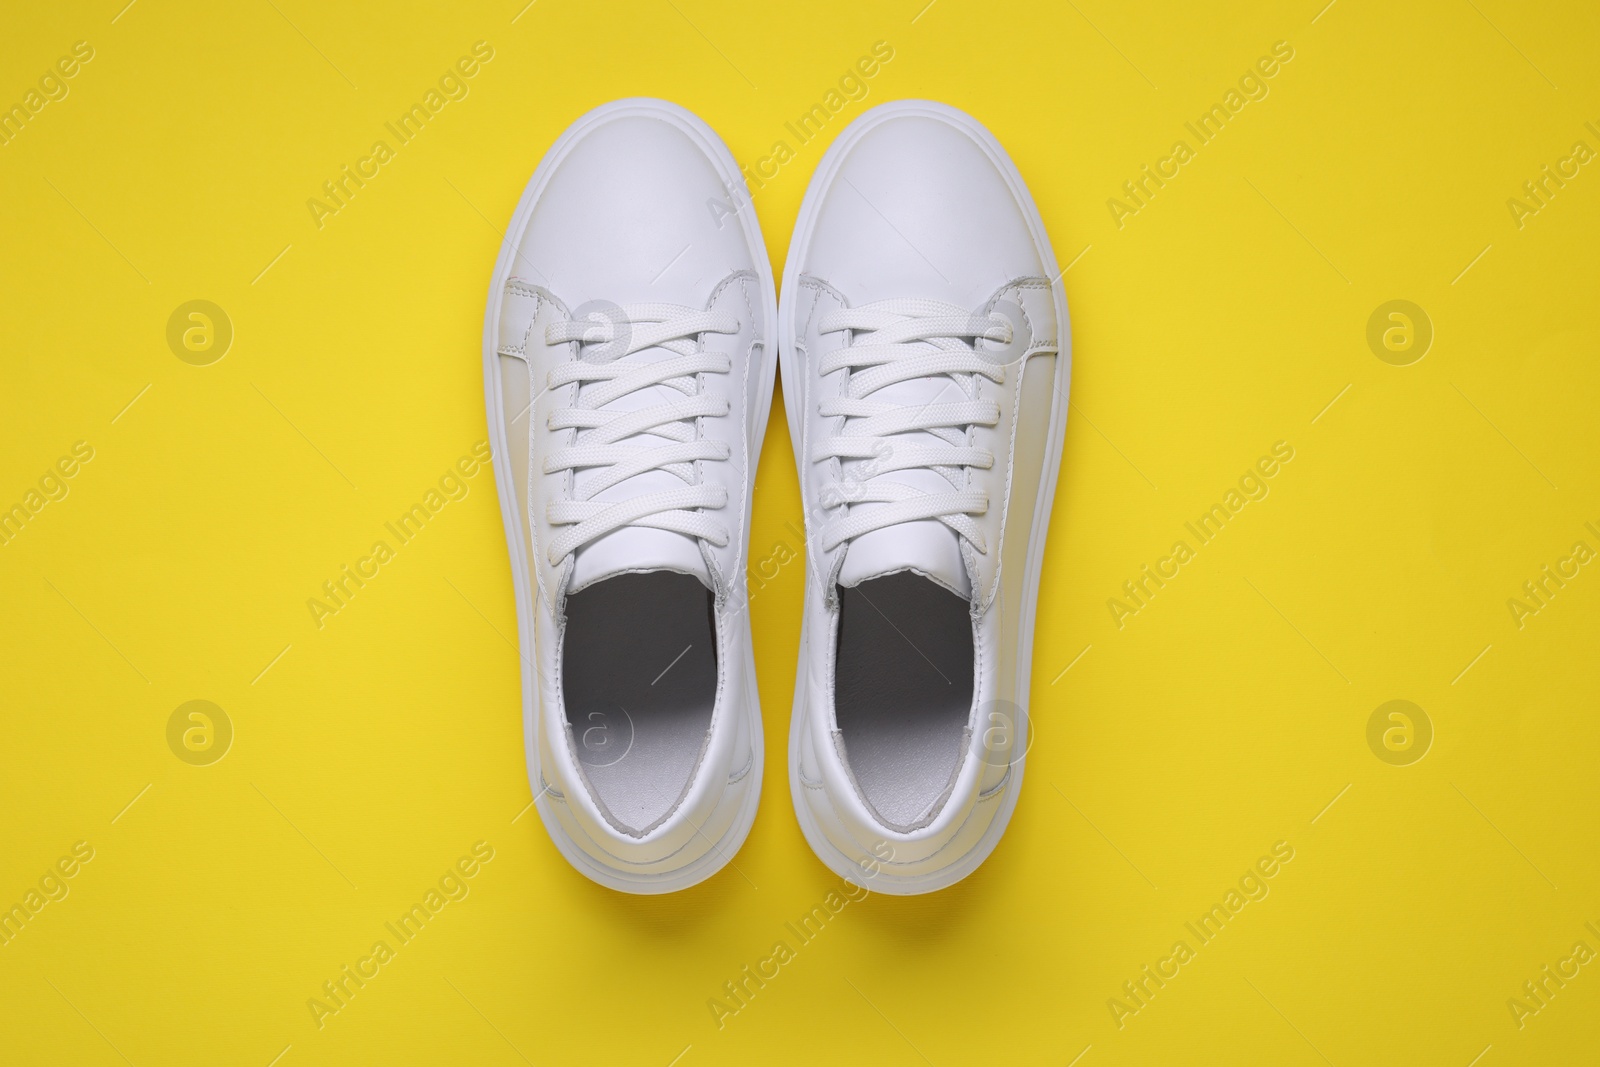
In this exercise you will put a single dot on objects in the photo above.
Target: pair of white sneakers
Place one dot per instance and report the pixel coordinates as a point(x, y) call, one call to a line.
point(630, 346)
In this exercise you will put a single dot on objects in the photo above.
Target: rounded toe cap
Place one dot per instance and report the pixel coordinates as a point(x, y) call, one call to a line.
point(923, 203)
point(636, 209)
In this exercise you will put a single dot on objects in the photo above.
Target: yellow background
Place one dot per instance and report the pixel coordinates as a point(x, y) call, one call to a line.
point(1226, 716)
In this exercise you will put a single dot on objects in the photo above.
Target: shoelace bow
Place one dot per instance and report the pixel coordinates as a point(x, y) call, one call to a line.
point(604, 377)
point(896, 341)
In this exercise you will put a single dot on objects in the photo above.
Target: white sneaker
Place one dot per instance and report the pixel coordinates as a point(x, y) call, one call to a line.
point(925, 350)
point(629, 375)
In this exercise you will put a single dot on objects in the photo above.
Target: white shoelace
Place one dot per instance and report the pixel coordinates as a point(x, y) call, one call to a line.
point(604, 376)
point(896, 341)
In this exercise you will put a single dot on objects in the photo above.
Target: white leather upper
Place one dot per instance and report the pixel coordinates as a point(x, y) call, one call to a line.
point(916, 202)
point(918, 209)
point(622, 218)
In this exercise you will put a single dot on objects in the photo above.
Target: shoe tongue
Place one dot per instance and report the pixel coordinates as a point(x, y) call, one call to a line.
point(633, 549)
point(927, 547)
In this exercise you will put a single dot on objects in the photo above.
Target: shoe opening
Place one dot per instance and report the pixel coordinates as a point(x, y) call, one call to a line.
point(639, 682)
point(902, 693)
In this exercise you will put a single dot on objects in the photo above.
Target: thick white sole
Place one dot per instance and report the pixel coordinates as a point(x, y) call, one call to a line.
point(619, 877)
point(845, 866)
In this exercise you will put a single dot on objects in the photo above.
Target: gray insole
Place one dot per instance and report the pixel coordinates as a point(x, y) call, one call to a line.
point(639, 678)
point(903, 691)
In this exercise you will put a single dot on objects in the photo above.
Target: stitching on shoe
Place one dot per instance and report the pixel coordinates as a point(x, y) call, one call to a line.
point(744, 277)
point(521, 289)
point(542, 298)
point(821, 288)
point(1016, 286)
point(995, 789)
point(739, 775)
point(719, 710)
